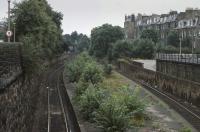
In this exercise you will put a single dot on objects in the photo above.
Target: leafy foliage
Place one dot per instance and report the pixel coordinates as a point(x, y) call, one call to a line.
point(108, 69)
point(143, 48)
point(30, 57)
point(185, 129)
point(112, 117)
point(187, 42)
point(102, 37)
point(79, 42)
point(150, 34)
point(120, 111)
point(76, 68)
point(92, 72)
point(123, 48)
point(36, 19)
point(90, 101)
point(173, 39)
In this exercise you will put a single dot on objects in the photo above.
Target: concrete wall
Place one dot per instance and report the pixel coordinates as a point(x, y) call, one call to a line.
point(181, 88)
point(180, 70)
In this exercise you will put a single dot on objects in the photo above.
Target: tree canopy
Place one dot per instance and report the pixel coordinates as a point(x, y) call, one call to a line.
point(150, 34)
point(35, 19)
point(173, 39)
point(102, 37)
point(79, 42)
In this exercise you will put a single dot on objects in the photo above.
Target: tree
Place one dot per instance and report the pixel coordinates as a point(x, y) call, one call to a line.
point(102, 37)
point(187, 42)
point(150, 34)
point(173, 39)
point(36, 19)
point(83, 43)
point(143, 48)
point(79, 42)
point(123, 48)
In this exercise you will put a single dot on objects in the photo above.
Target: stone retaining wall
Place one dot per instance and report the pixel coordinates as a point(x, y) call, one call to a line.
point(10, 63)
point(17, 95)
point(184, 89)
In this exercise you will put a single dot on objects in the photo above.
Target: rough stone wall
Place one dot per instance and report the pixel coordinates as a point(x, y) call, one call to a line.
point(10, 63)
point(180, 70)
point(184, 89)
point(17, 95)
point(17, 105)
point(129, 28)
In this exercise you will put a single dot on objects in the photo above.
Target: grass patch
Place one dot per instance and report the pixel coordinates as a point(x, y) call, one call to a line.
point(115, 81)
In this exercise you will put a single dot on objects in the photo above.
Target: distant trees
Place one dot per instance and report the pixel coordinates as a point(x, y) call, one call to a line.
point(79, 42)
point(150, 34)
point(173, 39)
point(102, 37)
point(123, 48)
point(140, 48)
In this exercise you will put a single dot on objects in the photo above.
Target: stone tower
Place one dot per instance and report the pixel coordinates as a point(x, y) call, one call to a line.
point(129, 26)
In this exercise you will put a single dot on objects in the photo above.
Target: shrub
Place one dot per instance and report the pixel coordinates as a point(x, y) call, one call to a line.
point(185, 129)
point(144, 49)
point(75, 68)
point(129, 97)
point(111, 116)
point(122, 48)
point(121, 111)
point(90, 101)
point(31, 57)
point(93, 73)
point(108, 69)
point(81, 86)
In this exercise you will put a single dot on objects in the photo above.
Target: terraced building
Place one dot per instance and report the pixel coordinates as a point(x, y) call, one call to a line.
point(186, 24)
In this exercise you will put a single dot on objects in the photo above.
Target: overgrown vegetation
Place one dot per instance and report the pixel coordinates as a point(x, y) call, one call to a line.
point(102, 38)
point(76, 42)
point(39, 28)
point(112, 110)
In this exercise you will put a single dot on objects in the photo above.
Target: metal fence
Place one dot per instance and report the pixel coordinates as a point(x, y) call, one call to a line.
point(185, 58)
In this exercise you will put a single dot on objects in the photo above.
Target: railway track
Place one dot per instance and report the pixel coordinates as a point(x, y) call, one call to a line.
point(61, 116)
point(192, 115)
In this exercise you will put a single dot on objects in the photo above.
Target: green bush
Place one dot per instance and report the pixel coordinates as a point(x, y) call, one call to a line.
point(121, 111)
point(185, 129)
point(75, 68)
point(122, 48)
point(90, 101)
point(93, 73)
point(108, 69)
point(136, 107)
point(129, 97)
point(81, 86)
point(31, 57)
point(144, 49)
point(111, 116)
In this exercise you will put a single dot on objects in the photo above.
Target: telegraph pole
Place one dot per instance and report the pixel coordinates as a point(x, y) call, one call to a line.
point(8, 19)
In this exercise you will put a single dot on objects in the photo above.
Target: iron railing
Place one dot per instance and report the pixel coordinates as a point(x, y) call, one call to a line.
point(185, 58)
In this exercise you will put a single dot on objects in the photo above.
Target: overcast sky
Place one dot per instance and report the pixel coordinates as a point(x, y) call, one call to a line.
point(83, 15)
